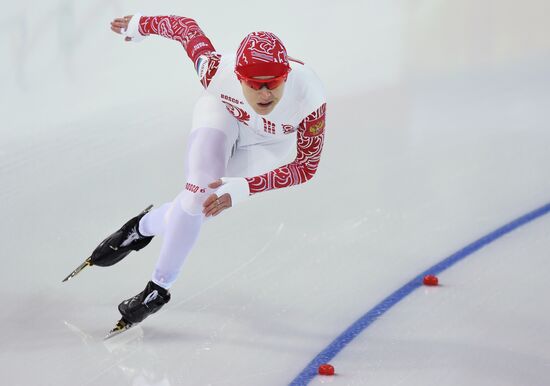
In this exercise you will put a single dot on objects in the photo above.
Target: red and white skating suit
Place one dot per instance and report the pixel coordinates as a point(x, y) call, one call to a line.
point(229, 139)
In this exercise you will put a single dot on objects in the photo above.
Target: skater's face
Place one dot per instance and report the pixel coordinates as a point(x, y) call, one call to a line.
point(263, 100)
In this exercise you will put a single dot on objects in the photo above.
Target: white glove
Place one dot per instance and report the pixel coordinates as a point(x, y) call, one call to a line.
point(237, 187)
point(133, 29)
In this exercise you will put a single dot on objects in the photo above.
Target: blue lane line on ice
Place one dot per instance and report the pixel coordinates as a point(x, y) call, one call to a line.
point(338, 344)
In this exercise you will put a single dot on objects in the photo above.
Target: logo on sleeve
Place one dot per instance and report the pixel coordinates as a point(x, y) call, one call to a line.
point(315, 127)
point(198, 46)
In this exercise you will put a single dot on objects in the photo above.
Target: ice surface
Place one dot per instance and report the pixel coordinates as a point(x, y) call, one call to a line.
point(437, 134)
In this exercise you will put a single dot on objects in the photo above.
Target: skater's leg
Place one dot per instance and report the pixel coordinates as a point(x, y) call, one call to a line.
point(210, 145)
point(208, 113)
point(182, 231)
point(154, 222)
point(208, 152)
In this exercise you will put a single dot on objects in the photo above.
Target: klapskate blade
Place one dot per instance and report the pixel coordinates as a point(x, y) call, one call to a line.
point(86, 263)
point(121, 326)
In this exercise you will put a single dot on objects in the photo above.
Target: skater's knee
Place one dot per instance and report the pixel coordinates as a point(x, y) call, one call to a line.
point(192, 198)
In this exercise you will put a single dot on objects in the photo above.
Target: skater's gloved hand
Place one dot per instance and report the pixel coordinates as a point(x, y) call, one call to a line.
point(230, 191)
point(128, 27)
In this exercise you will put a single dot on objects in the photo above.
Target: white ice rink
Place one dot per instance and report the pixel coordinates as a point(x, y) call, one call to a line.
point(438, 134)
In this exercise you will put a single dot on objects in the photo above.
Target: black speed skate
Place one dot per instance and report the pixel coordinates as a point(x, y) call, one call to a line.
point(117, 246)
point(139, 307)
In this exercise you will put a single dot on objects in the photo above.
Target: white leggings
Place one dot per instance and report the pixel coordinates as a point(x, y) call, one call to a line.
point(211, 155)
point(180, 221)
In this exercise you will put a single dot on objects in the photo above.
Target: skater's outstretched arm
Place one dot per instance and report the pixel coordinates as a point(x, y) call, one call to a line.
point(182, 29)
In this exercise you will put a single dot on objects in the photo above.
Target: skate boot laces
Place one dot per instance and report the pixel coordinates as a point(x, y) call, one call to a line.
point(133, 235)
point(152, 296)
point(148, 299)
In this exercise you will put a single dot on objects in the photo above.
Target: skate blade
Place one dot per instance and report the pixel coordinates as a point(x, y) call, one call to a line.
point(121, 326)
point(86, 263)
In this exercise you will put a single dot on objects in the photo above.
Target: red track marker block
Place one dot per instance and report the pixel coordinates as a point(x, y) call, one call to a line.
point(326, 369)
point(431, 280)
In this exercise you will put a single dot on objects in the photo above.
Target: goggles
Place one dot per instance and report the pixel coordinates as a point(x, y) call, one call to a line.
point(257, 84)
